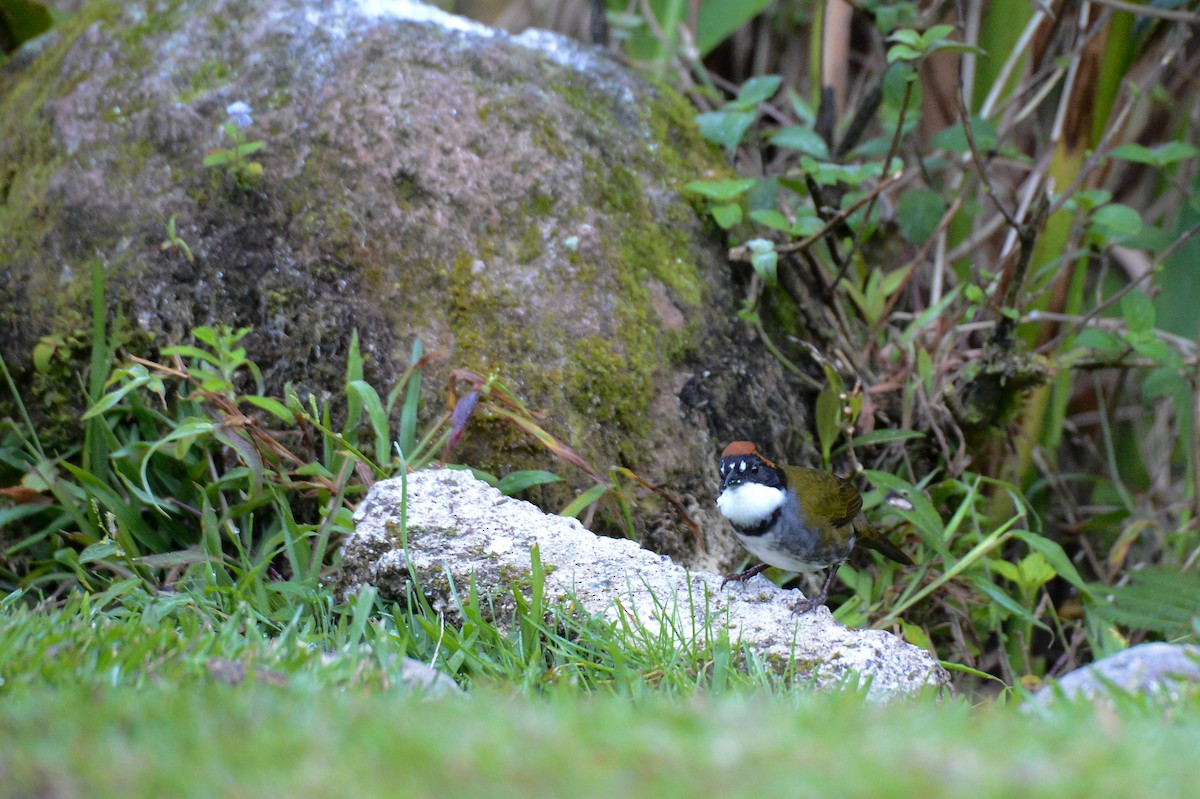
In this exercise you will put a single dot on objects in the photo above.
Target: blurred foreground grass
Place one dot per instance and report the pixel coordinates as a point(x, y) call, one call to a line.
point(104, 708)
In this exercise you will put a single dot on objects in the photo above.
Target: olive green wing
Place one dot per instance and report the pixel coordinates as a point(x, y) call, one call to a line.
point(826, 496)
point(830, 497)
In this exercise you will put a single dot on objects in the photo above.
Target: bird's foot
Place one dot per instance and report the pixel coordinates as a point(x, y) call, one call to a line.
point(743, 576)
point(805, 605)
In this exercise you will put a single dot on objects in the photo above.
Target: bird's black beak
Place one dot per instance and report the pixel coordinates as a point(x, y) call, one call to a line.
point(731, 479)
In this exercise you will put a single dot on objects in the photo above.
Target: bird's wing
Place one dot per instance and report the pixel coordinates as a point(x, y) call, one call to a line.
point(842, 500)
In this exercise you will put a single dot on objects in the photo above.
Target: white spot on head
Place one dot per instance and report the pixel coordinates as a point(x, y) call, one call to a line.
point(748, 504)
point(742, 466)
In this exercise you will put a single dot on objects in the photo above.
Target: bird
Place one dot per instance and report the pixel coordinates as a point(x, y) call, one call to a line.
point(794, 518)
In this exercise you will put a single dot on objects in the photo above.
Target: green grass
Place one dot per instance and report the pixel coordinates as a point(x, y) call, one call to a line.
point(255, 740)
point(117, 697)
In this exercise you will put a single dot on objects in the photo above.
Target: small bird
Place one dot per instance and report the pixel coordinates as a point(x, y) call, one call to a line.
point(794, 518)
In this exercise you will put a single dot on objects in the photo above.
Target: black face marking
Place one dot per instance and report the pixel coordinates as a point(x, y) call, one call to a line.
point(738, 469)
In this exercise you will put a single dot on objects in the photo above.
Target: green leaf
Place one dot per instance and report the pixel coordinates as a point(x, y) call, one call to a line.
point(727, 214)
point(1097, 338)
point(725, 128)
point(412, 401)
point(717, 19)
point(902, 52)
point(1138, 311)
point(44, 351)
point(369, 397)
point(720, 190)
point(954, 138)
point(517, 482)
point(1034, 571)
point(271, 406)
point(138, 376)
point(1164, 382)
point(804, 139)
point(1164, 154)
point(935, 33)
point(581, 502)
point(828, 413)
point(1114, 223)
point(1149, 345)
point(997, 595)
point(906, 36)
point(250, 147)
point(1053, 552)
point(218, 158)
point(884, 437)
point(769, 217)
point(100, 551)
point(755, 91)
point(918, 214)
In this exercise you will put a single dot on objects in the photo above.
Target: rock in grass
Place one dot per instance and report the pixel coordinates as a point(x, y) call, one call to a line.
point(459, 529)
point(1158, 670)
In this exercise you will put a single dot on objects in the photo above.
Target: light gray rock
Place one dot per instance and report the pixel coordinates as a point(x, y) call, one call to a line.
point(1161, 670)
point(458, 526)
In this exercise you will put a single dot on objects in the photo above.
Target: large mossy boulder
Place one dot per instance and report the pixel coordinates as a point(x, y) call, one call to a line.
point(514, 202)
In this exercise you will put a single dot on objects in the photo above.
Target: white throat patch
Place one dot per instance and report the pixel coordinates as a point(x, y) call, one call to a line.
point(748, 504)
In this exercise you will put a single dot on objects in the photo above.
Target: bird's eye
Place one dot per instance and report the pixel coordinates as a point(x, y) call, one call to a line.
point(754, 469)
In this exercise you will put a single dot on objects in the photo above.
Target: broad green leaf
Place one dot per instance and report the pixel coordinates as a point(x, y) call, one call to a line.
point(755, 91)
point(936, 32)
point(727, 214)
point(918, 214)
point(725, 128)
point(717, 19)
point(906, 36)
point(828, 412)
point(1165, 382)
point(1097, 338)
point(1114, 223)
point(100, 551)
point(1053, 552)
point(902, 52)
point(954, 138)
point(1162, 155)
point(250, 147)
point(720, 190)
point(1138, 311)
point(771, 218)
point(804, 139)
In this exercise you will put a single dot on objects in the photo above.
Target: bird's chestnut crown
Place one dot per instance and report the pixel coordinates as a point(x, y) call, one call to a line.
point(741, 462)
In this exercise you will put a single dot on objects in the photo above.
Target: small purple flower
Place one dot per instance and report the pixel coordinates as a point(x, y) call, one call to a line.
point(239, 113)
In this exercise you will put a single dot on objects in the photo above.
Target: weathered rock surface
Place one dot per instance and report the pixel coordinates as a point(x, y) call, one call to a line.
point(458, 526)
point(514, 202)
point(1159, 670)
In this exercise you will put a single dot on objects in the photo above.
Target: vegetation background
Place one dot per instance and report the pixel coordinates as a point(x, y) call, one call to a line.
point(968, 229)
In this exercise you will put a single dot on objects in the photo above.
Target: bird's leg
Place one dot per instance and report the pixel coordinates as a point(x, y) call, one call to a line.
point(805, 605)
point(743, 576)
